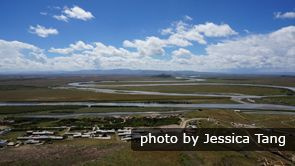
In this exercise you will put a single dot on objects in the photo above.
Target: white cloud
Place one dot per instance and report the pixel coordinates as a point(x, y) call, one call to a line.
point(61, 17)
point(78, 46)
point(13, 57)
point(41, 31)
point(210, 29)
point(181, 52)
point(166, 31)
point(77, 13)
point(102, 50)
point(286, 15)
point(273, 51)
point(150, 46)
point(180, 34)
point(198, 32)
point(20, 57)
point(183, 35)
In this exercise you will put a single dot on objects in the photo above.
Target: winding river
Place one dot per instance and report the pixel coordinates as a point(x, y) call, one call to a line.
point(237, 97)
point(92, 86)
point(247, 106)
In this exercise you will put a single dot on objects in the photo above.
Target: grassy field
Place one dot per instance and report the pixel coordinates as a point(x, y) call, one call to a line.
point(47, 94)
point(6, 110)
point(33, 88)
point(99, 152)
point(73, 152)
point(20, 110)
point(60, 80)
point(26, 123)
point(250, 90)
point(284, 100)
point(113, 152)
point(260, 120)
point(252, 79)
point(130, 157)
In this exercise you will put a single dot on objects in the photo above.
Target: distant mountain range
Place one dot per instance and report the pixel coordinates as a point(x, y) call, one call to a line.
point(143, 73)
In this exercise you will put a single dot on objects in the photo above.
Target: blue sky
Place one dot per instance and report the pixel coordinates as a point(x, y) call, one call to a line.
point(111, 22)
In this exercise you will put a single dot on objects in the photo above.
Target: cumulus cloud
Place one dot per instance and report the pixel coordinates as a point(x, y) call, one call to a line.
point(273, 51)
point(78, 13)
point(261, 52)
point(150, 46)
point(20, 57)
point(166, 31)
point(198, 33)
point(210, 29)
point(78, 46)
point(181, 52)
point(61, 17)
point(180, 34)
point(75, 12)
point(41, 31)
point(102, 50)
point(286, 15)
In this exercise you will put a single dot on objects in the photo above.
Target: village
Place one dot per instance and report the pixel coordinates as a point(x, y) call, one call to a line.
point(40, 137)
point(83, 128)
point(44, 135)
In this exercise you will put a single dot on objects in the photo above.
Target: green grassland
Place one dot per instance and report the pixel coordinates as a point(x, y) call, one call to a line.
point(225, 117)
point(140, 82)
point(250, 90)
point(117, 123)
point(7, 110)
point(114, 152)
point(23, 123)
point(130, 157)
point(22, 110)
point(111, 152)
point(252, 79)
point(40, 88)
point(60, 80)
point(283, 100)
point(21, 93)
